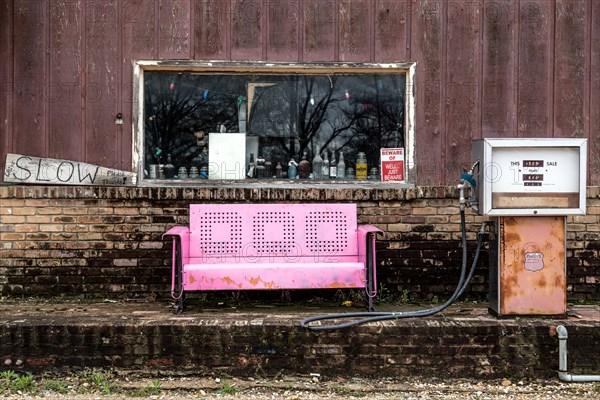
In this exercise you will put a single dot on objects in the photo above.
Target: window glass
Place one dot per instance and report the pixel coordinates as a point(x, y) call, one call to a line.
point(291, 126)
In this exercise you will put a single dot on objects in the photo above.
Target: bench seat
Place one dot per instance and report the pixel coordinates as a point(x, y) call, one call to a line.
point(274, 276)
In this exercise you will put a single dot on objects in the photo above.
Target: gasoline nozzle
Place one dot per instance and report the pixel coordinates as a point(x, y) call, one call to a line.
point(467, 180)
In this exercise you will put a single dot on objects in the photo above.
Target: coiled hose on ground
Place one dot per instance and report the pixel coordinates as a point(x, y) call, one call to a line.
point(366, 317)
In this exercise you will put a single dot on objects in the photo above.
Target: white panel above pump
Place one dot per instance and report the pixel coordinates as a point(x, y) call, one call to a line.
point(539, 176)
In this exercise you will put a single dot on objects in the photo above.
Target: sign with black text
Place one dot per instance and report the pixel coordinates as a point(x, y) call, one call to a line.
point(50, 171)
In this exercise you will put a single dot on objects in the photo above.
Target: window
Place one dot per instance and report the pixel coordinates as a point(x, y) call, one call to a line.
point(270, 121)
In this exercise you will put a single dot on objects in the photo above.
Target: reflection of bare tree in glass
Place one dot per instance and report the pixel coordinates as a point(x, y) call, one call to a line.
point(377, 120)
point(176, 106)
point(316, 103)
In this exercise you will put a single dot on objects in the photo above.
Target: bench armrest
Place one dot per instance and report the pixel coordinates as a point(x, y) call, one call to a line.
point(178, 231)
point(180, 254)
point(183, 233)
point(366, 235)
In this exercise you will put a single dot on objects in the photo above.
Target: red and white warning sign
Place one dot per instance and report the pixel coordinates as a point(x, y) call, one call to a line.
point(392, 164)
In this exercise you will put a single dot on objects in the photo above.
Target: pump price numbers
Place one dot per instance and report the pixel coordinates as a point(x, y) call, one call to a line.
point(533, 179)
point(533, 163)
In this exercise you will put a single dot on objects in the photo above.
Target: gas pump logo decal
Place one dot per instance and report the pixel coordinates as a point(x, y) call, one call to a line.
point(534, 260)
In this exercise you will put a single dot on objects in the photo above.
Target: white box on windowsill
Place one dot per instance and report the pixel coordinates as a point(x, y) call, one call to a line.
point(226, 155)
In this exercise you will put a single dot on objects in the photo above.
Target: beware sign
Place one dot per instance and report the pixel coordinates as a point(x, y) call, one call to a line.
point(392, 164)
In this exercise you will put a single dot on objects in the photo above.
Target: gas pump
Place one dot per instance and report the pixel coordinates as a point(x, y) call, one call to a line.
point(528, 187)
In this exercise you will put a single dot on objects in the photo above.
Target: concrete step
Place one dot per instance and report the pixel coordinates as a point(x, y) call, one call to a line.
point(463, 341)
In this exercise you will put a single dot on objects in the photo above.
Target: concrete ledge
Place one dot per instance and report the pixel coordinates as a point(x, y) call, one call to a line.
point(462, 342)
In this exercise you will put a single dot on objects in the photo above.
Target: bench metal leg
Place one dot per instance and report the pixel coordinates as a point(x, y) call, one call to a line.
point(180, 298)
point(180, 302)
point(371, 281)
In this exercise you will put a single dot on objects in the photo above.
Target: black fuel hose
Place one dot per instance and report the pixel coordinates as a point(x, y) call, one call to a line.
point(366, 317)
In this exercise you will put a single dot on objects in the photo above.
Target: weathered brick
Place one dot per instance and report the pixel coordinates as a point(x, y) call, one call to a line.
point(12, 219)
point(424, 210)
point(51, 228)
point(23, 211)
point(49, 210)
point(93, 214)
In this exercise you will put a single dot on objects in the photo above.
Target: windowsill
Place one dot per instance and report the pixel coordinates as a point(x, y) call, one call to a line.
point(277, 183)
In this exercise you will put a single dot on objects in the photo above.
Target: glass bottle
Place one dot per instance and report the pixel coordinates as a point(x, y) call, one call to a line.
point(374, 173)
point(169, 168)
point(317, 167)
point(260, 168)
point(361, 166)
point(278, 170)
point(242, 117)
point(304, 167)
point(332, 167)
point(251, 167)
point(292, 169)
point(325, 168)
point(341, 167)
point(268, 169)
point(349, 173)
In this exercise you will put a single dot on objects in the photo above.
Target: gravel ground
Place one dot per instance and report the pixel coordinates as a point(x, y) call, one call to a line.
point(310, 387)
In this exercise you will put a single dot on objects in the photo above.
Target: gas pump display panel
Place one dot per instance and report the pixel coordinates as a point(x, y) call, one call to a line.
point(531, 176)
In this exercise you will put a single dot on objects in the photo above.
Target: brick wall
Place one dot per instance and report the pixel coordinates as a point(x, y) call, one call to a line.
point(143, 336)
point(98, 242)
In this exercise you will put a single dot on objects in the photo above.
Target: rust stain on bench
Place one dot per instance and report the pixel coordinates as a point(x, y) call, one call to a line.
point(240, 246)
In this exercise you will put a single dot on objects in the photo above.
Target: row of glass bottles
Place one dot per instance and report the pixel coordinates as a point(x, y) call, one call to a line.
point(168, 171)
point(261, 169)
point(319, 169)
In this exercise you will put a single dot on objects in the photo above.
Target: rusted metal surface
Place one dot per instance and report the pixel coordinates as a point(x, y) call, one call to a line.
point(261, 277)
point(485, 68)
point(259, 246)
point(532, 277)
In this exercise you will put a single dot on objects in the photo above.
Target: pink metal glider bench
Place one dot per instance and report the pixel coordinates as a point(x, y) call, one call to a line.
point(272, 247)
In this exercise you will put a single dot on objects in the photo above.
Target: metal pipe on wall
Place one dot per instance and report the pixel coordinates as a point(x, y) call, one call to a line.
point(562, 360)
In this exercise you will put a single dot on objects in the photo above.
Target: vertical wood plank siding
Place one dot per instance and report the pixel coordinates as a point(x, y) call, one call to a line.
point(485, 68)
point(30, 85)
point(594, 89)
point(64, 85)
point(500, 29)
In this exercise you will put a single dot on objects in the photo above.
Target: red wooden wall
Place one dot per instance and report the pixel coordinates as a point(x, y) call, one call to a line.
point(486, 68)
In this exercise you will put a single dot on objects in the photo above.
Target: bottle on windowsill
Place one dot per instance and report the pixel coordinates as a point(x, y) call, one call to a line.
point(251, 167)
point(317, 167)
point(332, 167)
point(169, 168)
point(304, 167)
point(361, 166)
point(325, 168)
point(341, 167)
point(292, 169)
